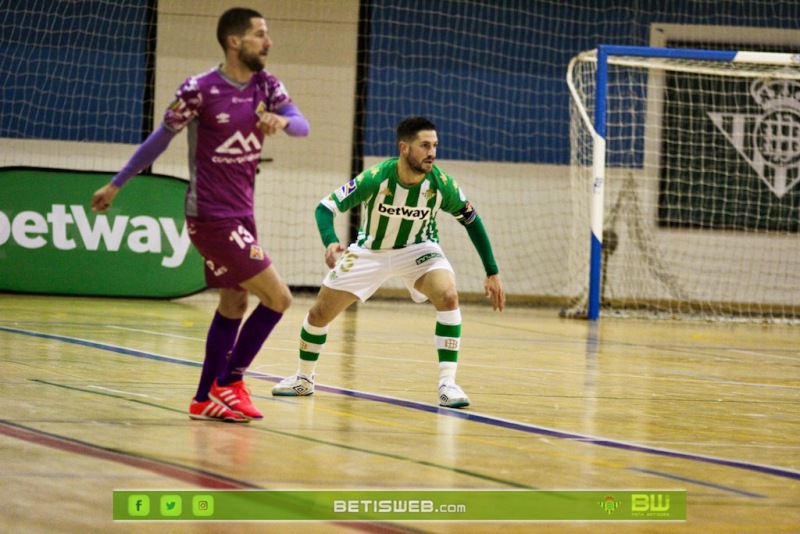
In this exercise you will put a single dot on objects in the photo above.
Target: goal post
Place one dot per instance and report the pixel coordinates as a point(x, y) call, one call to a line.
point(688, 161)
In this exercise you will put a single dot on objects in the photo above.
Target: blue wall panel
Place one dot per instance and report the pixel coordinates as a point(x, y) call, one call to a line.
point(491, 74)
point(73, 71)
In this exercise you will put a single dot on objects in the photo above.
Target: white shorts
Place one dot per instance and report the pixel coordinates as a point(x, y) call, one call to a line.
point(362, 271)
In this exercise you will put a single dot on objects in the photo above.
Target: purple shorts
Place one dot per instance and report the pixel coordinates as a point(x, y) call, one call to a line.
point(230, 249)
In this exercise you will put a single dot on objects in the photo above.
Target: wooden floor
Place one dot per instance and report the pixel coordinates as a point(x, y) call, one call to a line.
point(95, 393)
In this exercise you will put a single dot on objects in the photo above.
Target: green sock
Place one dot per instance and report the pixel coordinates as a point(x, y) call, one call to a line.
point(312, 341)
point(448, 343)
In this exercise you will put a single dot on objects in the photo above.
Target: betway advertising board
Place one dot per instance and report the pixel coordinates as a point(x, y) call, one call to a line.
point(52, 243)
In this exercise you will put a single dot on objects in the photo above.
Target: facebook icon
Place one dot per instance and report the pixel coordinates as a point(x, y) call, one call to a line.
point(138, 505)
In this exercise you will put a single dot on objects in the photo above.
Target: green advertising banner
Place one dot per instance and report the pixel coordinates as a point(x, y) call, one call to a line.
point(401, 505)
point(52, 243)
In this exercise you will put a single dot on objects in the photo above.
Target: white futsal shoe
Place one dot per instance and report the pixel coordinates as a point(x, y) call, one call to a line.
point(294, 386)
point(452, 396)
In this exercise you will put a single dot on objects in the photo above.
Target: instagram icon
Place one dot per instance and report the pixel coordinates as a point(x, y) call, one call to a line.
point(203, 505)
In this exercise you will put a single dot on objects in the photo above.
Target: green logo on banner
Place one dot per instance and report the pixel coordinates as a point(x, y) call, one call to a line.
point(51, 242)
point(609, 504)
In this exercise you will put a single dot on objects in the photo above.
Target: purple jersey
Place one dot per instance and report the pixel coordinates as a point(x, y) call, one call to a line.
point(224, 139)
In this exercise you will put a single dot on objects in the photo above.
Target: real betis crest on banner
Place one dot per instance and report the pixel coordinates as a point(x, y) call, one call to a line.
point(769, 141)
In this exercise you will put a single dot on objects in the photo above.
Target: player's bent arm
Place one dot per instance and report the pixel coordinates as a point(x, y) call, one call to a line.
point(493, 286)
point(145, 155)
point(324, 215)
point(480, 239)
point(155, 144)
point(298, 125)
point(473, 223)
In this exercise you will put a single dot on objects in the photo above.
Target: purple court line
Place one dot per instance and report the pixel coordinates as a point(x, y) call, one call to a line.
point(195, 477)
point(192, 476)
point(559, 434)
point(698, 482)
point(461, 414)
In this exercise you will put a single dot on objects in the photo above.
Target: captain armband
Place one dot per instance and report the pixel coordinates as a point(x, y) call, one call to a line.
point(466, 215)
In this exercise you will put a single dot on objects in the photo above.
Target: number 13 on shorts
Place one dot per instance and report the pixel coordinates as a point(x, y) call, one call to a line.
point(242, 237)
point(346, 261)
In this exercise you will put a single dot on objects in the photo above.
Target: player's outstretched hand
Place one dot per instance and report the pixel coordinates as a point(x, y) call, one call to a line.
point(494, 291)
point(101, 200)
point(332, 253)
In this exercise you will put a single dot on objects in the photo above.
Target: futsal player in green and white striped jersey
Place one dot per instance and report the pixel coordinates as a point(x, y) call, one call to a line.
point(398, 237)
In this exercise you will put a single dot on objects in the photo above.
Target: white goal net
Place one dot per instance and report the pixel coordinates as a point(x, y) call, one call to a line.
point(699, 212)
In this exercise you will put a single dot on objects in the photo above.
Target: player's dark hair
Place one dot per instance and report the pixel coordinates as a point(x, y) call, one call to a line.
point(235, 21)
point(408, 128)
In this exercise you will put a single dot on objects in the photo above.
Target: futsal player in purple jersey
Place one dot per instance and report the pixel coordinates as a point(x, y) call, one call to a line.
point(228, 111)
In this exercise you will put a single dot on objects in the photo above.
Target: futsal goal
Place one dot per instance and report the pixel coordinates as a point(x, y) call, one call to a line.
point(685, 171)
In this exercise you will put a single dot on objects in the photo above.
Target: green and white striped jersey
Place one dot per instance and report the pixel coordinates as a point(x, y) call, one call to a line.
point(394, 215)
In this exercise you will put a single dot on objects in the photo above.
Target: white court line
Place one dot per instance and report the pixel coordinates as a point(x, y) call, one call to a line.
point(765, 355)
point(153, 333)
point(467, 363)
point(124, 392)
point(174, 336)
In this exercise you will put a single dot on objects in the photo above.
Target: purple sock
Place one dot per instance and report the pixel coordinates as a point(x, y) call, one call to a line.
point(254, 333)
point(220, 340)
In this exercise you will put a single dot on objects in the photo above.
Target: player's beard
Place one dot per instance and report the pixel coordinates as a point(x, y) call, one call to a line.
point(254, 61)
point(417, 165)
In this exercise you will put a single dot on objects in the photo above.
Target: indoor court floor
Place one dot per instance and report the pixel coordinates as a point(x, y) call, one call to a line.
point(95, 395)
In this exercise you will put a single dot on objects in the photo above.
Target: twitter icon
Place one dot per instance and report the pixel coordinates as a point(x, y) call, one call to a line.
point(171, 505)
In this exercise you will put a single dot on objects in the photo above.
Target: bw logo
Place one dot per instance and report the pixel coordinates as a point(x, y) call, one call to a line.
point(769, 142)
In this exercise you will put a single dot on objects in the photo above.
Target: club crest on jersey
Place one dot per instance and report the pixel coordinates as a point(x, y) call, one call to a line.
point(404, 212)
point(346, 190)
point(256, 252)
point(769, 142)
point(239, 144)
